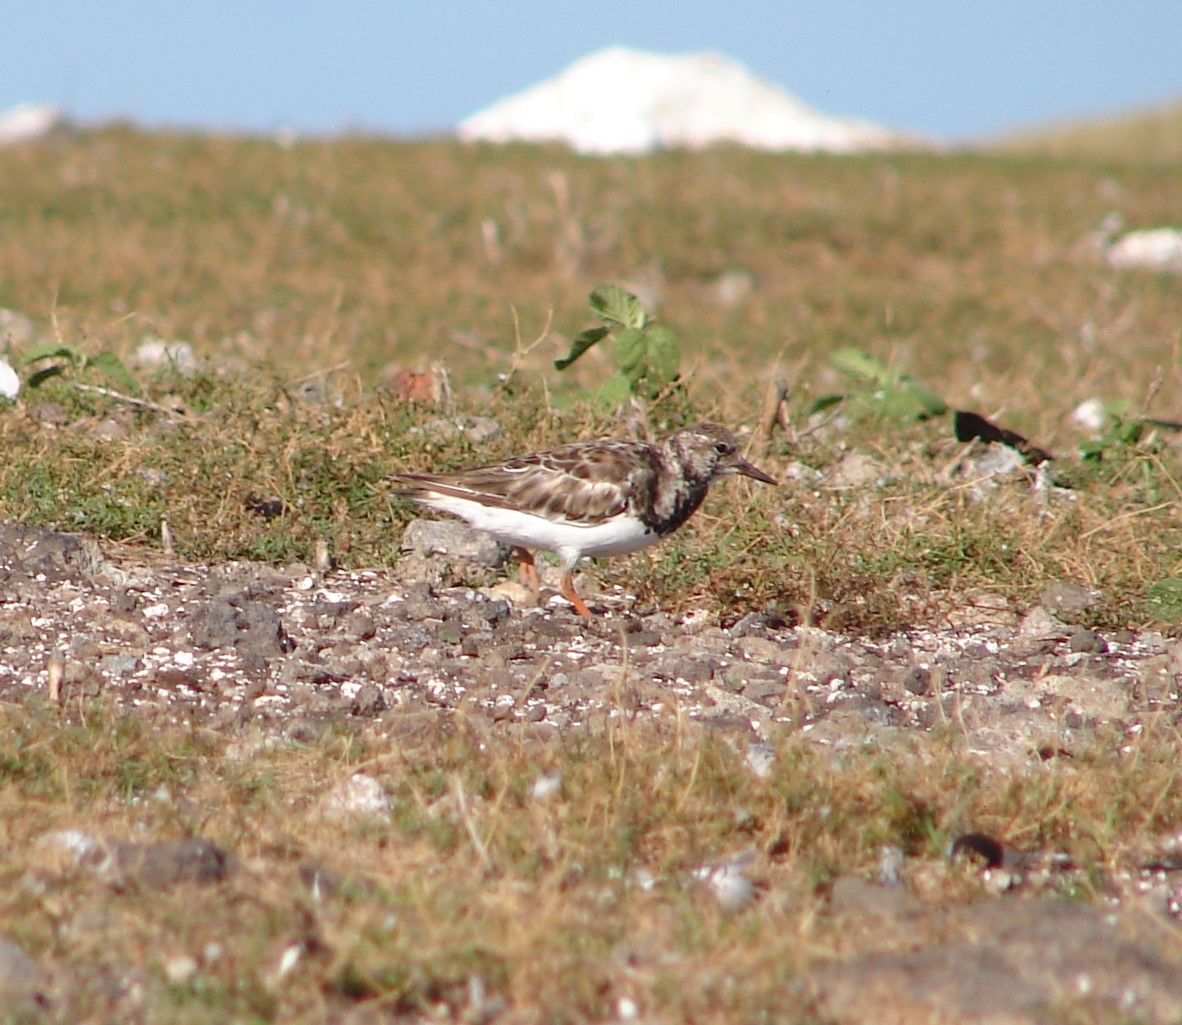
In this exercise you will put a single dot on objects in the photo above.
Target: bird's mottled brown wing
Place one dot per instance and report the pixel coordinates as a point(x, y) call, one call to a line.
point(582, 483)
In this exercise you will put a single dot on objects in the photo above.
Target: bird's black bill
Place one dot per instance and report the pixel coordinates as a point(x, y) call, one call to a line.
point(747, 470)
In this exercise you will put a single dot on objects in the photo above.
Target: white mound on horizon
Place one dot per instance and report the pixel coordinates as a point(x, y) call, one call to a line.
point(28, 121)
point(624, 101)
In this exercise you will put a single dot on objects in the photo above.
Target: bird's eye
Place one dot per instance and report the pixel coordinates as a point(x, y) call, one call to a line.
point(722, 448)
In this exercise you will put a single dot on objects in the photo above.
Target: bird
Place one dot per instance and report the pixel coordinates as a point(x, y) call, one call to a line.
point(595, 498)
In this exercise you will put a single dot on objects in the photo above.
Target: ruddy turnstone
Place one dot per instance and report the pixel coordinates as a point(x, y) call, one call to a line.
point(595, 498)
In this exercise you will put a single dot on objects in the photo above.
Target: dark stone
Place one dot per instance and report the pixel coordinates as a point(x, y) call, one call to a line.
point(158, 866)
point(56, 557)
point(359, 626)
point(250, 626)
point(369, 701)
point(1087, 640)
point(916, 679)
point(123, 602)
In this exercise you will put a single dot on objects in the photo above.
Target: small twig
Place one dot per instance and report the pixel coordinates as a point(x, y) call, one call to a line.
point(321, 556)
point(1126, 516)
point(465, 814)
point(131, 400)
point(775, 410)
point(1159, 378)
point(319, 373)
point(521, 351)
point(57, 673)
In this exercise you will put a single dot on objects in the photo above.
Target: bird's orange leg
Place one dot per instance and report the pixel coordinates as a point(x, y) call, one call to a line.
point(572, 596)
point(529, 570)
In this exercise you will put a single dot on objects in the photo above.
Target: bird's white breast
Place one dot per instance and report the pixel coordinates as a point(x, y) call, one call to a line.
point(616, 536)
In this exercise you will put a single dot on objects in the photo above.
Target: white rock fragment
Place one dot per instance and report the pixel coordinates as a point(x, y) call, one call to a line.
point(74, 846)
point(181, 969)
point(761, 759)
point(890, 865)
point(1092, 414)
point(546, 786)
point(359, 797)
point(627, 1009)
point(1153, 249)
point(644, 880)
point(158, 354)
point(729, 883)
point(288, 960)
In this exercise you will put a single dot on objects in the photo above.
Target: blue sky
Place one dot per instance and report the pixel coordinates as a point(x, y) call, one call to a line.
point(954, 69)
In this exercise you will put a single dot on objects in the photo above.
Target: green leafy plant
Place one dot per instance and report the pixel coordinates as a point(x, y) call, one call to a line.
point(1123, 433)
point(647, 355)
point(56, 359)
point(885, 393)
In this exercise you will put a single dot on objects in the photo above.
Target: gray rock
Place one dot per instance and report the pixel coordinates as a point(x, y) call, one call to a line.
point(120, 665)
point(159, 866)
point(1069, 600)
point(692, 670)
point(479, 430)
point(859, 470)
point(731, 288)
point(1038, 624)
point(455, 540)
point(160, 354)
point(1017, 962)
point(761, 649)
point(766, 690)
point(214, 625)
point(824, 667)
point(16, 627)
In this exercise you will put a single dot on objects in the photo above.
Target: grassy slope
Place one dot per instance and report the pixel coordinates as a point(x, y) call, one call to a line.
point(969, 271)
point(1147, 137)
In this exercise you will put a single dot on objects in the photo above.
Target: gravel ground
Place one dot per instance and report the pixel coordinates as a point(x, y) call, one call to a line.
point(283, 647)
point(240, 640)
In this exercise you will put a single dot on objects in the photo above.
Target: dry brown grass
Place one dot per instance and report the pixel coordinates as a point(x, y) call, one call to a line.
point(556, 908)
point(1151, 136)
